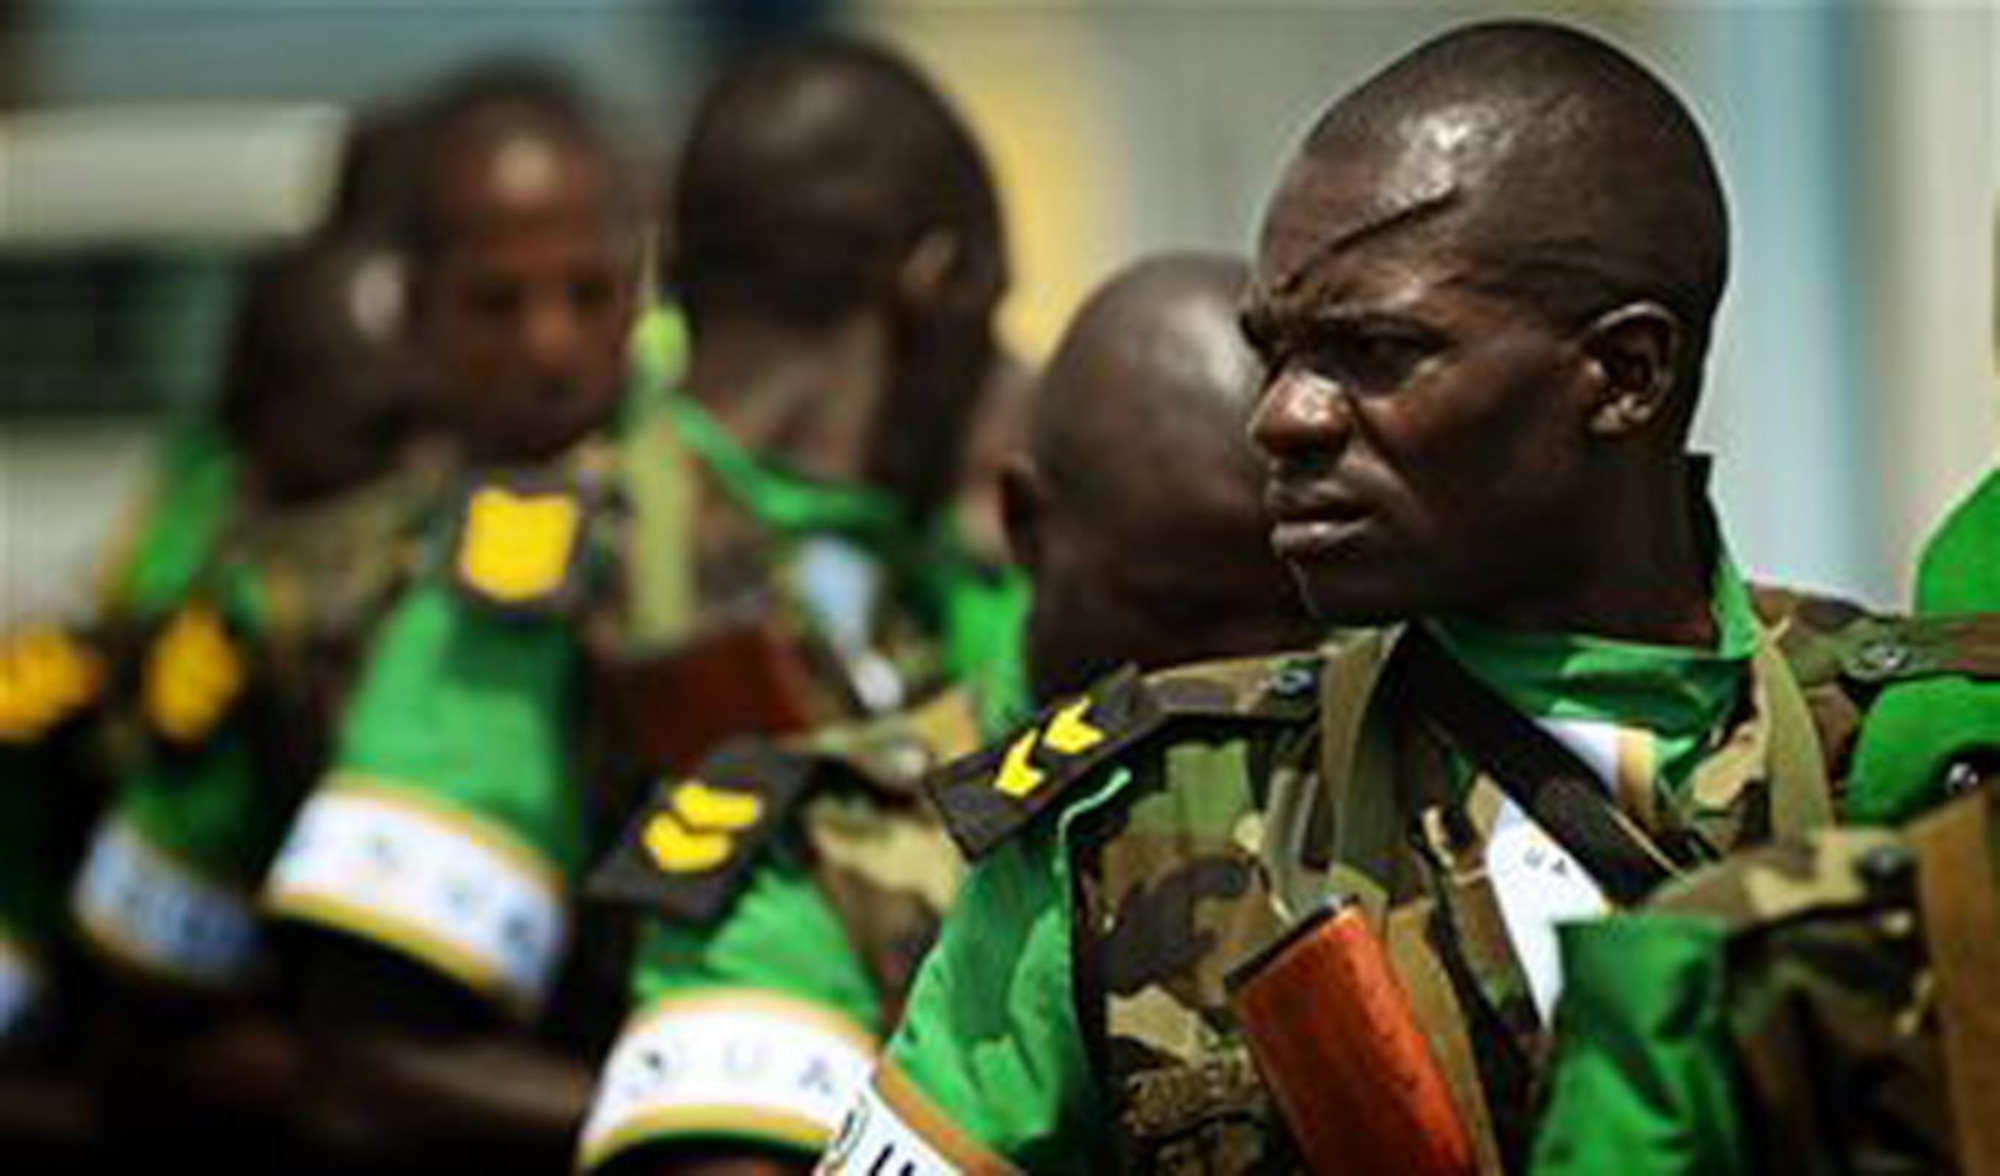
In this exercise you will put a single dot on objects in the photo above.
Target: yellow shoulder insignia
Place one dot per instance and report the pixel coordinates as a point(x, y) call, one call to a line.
point(193, 678)
point(987, 796)
point(47, 677)
point(693, 845)
point(519, 548)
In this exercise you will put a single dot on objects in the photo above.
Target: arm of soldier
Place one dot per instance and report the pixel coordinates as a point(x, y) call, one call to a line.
point(988, 1070)
point(410, 1070)
point(1643, 1079)
point(431, 867)
point(748, 1036)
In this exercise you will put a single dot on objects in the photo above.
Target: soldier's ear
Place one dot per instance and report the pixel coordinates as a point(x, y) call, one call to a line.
point(1635, 354)
point(1024, 509)
point(924, 275)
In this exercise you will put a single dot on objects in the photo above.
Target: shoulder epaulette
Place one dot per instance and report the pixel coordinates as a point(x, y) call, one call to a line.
point(519, 541)
point(194, 677)
point(48, 677)
point(692, 846)
point(1875, 651)
point(986, 797)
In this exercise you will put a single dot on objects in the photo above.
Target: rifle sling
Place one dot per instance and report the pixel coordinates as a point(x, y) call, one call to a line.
point(1551, 783)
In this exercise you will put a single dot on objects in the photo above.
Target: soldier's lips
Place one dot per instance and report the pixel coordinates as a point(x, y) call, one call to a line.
point(1306, 540)
point(1309, 523)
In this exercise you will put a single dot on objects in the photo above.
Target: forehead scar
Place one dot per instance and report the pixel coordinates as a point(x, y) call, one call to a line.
point(1412, 213)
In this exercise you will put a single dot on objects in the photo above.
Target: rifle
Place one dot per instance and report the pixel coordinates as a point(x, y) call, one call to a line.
point(1331, 1030)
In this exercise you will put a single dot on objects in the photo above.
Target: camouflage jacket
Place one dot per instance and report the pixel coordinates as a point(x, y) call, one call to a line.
point(1256, 788)
point(1822, 1006)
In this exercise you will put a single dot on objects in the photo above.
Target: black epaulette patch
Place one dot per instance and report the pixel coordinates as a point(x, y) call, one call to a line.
point(986, 797)
point(519, 541)
point(693, 844)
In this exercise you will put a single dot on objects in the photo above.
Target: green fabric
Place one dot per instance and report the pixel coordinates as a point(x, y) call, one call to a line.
point(474, 709)
point(780, 499)
point(195, 493)
point(1915, 730)
point(34, 886)
point(1643, 1079)
point(1683, 696)
point(989, 1034)
point(781, 935)
point(985, 621)
point(1960, 569)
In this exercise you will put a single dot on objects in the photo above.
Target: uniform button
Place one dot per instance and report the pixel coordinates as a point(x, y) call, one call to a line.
point(1881, 658)
point(1960, 778)
point(1887, 870)
point(1293, 679)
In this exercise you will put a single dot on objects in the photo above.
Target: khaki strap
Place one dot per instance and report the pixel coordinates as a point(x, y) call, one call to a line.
point(1959, 886)
point(1435, 1008)
point(1801, 798)
point(660, 476)
point(1349, 812)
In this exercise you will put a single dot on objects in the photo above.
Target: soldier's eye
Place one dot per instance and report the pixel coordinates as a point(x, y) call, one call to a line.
point(1368, 359)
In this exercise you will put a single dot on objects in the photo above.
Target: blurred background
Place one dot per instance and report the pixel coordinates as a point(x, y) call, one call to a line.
point(148, 146)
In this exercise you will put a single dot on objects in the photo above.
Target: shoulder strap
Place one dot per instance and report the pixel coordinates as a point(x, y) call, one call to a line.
point(1548, 780)
point(693, 845)
point(986, 797)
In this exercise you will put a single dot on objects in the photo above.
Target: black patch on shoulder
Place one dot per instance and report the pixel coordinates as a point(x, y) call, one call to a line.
point(693, 845)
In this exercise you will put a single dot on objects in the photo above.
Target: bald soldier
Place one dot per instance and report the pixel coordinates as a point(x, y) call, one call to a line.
point(1482, 295)
point(804, 954)
point(633, 570)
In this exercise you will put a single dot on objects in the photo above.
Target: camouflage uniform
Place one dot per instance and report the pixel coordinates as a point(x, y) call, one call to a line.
point(792, 890)
point(1828, 993)
point(1143, 840)
point(1813, 1007)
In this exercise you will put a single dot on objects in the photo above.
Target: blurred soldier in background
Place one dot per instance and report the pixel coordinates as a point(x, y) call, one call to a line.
point(791, 927)
point(236, 688)
point(630, 574)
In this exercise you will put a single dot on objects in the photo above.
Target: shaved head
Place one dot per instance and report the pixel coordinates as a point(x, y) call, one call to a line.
point(1563, 170)
point(1152, 368)
point(1138, 512)
point(809, 174)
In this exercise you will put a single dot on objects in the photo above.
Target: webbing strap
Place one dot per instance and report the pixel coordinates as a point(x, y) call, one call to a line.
point(1551, 783)
point(1959, 887)
point(1801, 798)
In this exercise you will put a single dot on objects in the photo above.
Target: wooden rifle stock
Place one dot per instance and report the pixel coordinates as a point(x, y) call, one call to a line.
point(741, 675)
point(1332, 1032)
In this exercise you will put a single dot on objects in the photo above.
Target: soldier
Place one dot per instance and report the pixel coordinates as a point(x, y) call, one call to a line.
point(236, 687)
point(1483, 296)
point(742, 554)
point(798, 944)
point(1817, 1006)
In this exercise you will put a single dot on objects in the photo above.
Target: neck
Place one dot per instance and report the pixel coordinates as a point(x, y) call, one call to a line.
point(807, 399)
point(1645, 579)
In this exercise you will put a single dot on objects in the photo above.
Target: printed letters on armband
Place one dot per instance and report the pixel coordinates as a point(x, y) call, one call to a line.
point(746, 1064)
point(430, 881)
point(891, 1130)
point(143, 908)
